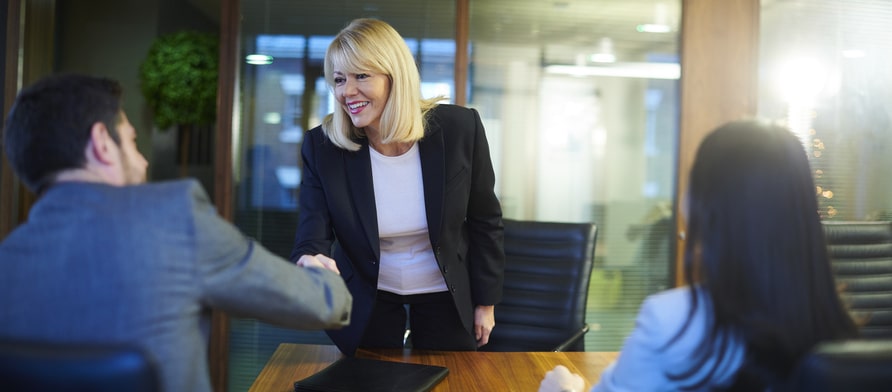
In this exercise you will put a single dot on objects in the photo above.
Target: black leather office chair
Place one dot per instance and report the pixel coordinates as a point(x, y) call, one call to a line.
point(861, 253)
point(547, 270)
point(856, 365)
point(34, 367)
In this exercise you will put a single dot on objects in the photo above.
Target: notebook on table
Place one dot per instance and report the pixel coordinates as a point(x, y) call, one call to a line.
point(350, 374)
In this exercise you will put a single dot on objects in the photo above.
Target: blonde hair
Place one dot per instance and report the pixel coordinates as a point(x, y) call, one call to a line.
point(371, 45)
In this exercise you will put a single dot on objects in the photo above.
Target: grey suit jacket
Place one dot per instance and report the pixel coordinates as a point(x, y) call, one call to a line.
point(145, 264)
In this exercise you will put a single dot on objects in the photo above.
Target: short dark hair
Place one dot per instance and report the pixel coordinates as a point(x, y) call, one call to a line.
point(49, 124)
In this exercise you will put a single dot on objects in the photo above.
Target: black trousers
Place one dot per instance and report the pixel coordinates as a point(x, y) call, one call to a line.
point(433, 320)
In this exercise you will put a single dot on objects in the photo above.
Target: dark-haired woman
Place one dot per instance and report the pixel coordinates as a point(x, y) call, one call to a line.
point(760, 292)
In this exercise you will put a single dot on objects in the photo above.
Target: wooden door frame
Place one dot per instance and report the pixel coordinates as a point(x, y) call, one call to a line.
point(30, 42)
point(228, 79)
point(9, 185)
point(719, 82)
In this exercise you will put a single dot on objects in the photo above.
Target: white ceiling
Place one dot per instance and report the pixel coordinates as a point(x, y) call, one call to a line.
point(546, 24)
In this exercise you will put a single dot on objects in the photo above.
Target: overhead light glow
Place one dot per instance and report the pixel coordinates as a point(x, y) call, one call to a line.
point(623, 70)
point(272, 118)
point(800, 80)
point(853, 54)
point(605, 51)
point(259, 59)
point(602, 58)
point(653, 28)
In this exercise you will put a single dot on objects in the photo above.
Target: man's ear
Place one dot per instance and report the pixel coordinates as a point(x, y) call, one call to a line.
point(102, 148)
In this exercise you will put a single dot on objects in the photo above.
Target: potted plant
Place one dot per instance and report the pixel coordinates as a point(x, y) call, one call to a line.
point(178, 79)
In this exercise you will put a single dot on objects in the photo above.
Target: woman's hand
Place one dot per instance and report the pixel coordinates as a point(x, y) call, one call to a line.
point(484, 320)
point(318, 261)
point(560, 379)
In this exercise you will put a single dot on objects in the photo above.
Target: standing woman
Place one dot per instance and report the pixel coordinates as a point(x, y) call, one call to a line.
point(760, 291)
point(398, 191)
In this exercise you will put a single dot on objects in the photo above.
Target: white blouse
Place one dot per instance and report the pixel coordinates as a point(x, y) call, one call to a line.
point(408, 265)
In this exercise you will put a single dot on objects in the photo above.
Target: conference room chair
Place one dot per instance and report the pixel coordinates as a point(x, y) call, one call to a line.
point(854, 365)
point(37, 367)
point(547, 270)
point(861, 254)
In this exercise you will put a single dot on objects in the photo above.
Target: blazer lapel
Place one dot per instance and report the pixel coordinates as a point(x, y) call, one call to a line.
point(433, 172)
point(362, 193)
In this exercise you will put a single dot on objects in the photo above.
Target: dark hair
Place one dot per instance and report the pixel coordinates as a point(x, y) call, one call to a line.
point(755, 245)
point(49, 124)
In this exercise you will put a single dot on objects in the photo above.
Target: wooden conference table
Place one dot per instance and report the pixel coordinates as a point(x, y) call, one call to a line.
point(468, 371)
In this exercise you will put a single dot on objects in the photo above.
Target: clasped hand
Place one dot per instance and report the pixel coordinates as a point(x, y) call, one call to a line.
point(318, 261)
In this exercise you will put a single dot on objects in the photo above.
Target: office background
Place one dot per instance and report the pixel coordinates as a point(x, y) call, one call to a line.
point(593, 110)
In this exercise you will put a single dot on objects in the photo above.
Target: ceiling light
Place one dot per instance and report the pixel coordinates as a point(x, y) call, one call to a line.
point(259, 59)
point(273, 118)
point(653, 28)
point(853, 53)
point(622, 70)
point(661, 21)
point(602, 58)
point(605, 52)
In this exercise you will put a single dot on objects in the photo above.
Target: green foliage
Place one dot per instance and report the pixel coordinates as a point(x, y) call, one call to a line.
point(178, 79)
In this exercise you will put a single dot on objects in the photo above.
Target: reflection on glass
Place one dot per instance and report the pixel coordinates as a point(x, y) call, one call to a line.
point(576, 138)
point(824, 73)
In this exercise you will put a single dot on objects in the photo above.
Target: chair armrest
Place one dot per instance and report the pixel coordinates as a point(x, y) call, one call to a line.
point(572, 339)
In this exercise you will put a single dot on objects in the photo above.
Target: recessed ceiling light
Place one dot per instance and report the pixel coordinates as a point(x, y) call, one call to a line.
point(259, 59)
point(653, 28)
point(602, 58)
point(853, 53)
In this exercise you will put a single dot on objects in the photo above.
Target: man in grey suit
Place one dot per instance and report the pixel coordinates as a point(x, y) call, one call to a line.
point(104, 258)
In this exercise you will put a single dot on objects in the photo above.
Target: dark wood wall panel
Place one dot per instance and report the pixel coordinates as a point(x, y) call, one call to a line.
point(462, 32)
point(9, 187)
point(228, 78)
point(719, 60)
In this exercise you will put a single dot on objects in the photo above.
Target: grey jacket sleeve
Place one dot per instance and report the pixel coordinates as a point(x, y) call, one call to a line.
point(239, 276)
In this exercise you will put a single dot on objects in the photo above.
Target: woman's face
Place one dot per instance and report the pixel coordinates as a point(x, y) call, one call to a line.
point(362, 96)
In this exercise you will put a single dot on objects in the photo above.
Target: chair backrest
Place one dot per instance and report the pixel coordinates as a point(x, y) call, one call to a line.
point(28, 366)
point(547, 270)
point(861, 253)
point(856, 365)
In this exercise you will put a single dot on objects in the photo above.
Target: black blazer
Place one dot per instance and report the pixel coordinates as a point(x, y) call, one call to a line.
point(338, 215)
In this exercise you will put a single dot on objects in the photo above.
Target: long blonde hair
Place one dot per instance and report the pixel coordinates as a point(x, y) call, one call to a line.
point(371, 45)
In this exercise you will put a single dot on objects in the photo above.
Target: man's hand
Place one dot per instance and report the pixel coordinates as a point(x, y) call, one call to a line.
point(484, 321)
point(318, 261)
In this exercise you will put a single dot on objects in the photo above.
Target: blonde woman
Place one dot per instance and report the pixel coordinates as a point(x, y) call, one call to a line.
point(398, 192)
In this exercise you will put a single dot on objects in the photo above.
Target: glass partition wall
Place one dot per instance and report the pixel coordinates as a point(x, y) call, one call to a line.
point(283, 94)
point(580, 103)
point(824, 71)
point(579, 100)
